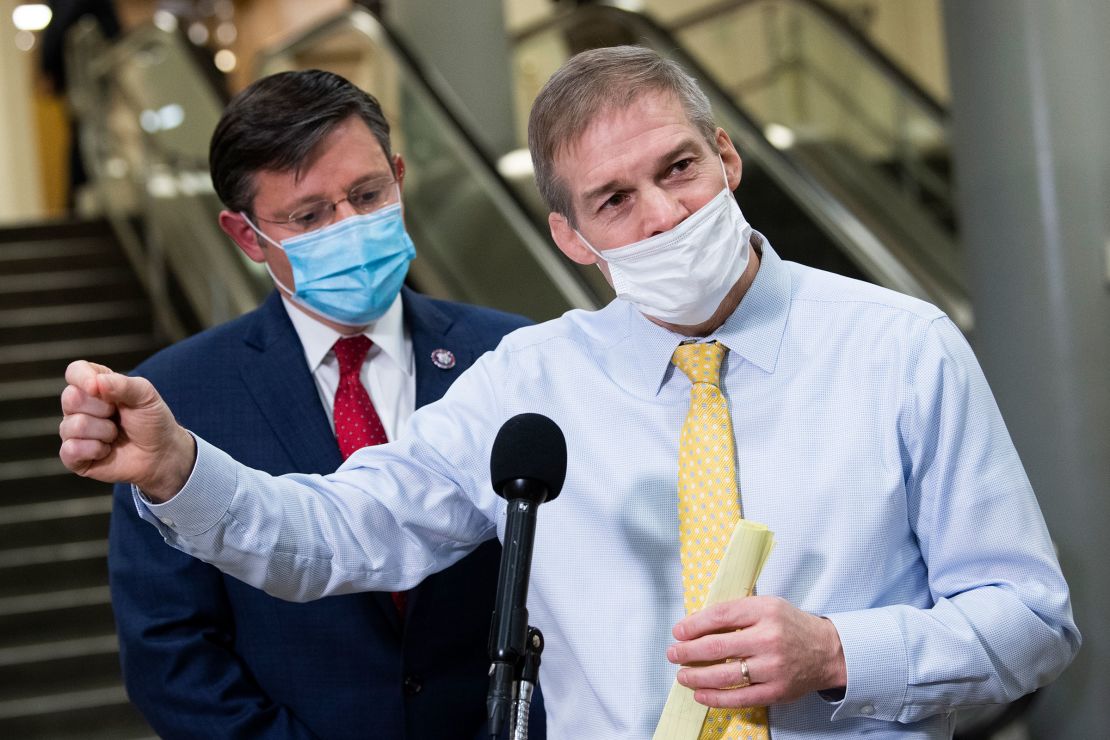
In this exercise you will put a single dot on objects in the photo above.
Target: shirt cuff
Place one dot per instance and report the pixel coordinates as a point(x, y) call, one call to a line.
point(877, 662)
point(203, 501)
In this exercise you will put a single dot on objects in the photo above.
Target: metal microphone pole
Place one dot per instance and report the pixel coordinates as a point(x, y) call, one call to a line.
point(526, 684)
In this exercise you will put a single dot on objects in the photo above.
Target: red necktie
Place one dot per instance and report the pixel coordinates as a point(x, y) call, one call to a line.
point(357, 423)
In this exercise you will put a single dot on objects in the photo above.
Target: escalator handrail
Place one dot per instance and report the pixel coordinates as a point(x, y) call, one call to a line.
point(445, 102)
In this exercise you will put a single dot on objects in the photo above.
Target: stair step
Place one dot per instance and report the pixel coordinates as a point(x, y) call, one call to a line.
point(19, 557)
point(12, 390)
point(69, 700)
point(54, 600)
point(46, 359)
point(73, 286)
point(54, 256)
point(55, 522)
point(59, 615)
point(35, 282)
point(57, 248)
point(74, 321)
point(38, 577)
point(29, 438)
point(28, 469)
point(67, 314)
point(78, 647)
point(54, 510)
point(30, 447)
point(66, 349)
point(99, 713)
point(59, 486)
point(55, 231)
point(26, 398)
point(63, 673)
point(35, 427)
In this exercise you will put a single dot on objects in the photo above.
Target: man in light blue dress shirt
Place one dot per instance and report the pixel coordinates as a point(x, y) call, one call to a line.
point(913, 573)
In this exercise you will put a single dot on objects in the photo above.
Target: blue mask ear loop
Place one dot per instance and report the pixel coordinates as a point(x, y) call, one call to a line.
point(290, 293)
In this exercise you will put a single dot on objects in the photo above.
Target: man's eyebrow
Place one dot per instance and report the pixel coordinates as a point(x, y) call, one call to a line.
point(600, 190)
point(683, 147)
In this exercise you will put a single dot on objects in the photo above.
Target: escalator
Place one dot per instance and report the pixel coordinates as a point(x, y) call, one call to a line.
point(834, 199)
point(147, 106)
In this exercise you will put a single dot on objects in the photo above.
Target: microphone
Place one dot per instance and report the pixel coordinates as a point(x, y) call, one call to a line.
point(527, 467)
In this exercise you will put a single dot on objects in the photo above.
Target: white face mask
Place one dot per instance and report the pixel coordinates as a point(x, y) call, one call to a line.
point(681, 276)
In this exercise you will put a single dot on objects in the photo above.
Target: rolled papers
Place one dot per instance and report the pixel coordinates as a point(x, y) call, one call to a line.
point(737, 573)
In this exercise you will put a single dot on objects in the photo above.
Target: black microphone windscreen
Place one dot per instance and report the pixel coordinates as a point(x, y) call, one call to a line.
point(529, 446)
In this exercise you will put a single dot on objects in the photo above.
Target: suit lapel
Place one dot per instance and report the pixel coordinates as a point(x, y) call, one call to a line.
point(279, 379)
point(433, 330)
point(275, 372)
point(277, 376)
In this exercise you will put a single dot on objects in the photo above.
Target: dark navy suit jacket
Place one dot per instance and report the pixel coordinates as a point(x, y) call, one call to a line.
point(206, 656)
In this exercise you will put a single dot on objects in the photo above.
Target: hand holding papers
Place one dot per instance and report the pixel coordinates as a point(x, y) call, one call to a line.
point(740, 567)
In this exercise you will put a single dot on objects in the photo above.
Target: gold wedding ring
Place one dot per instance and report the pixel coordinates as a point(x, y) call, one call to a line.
point(745, 677)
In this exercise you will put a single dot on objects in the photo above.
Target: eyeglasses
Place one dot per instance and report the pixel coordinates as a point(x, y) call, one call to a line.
point(366, 197)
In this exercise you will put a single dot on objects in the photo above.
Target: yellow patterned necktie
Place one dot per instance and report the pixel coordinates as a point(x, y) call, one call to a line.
point(709, 507)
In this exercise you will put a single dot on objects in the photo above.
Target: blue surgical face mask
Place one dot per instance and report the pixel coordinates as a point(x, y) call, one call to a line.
point(351, 271)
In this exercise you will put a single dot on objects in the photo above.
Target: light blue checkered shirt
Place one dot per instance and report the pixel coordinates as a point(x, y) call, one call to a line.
point(867, 440)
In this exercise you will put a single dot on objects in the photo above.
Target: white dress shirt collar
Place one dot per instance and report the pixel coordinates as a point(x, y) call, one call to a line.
point(754, 331)
point(387, 334)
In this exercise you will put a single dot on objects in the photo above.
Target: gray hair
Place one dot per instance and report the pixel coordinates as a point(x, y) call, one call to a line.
point(594, 82)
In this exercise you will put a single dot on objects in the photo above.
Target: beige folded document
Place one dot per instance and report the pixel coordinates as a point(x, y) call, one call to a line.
point(743, 560)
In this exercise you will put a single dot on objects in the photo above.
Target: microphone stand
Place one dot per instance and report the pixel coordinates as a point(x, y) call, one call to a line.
point(527, 468)
point(528, 671)
point(510, 638)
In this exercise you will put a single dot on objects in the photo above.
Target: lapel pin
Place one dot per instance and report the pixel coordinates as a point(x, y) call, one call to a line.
point(444, 359)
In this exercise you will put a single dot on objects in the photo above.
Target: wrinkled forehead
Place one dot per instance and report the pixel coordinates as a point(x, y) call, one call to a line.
point(611, 115)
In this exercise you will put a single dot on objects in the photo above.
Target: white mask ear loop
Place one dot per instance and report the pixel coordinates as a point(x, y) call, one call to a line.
point(258, 231)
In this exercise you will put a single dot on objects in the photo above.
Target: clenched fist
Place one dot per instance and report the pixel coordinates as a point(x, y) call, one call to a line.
point(116, 428)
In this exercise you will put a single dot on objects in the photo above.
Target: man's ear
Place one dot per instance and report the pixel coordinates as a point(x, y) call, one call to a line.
point(568, 241)
point(236, 226)
point(734, 166)
point(399, 170)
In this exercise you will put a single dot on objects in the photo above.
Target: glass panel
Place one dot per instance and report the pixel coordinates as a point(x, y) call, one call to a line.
point(788, 64)
point(147, 113)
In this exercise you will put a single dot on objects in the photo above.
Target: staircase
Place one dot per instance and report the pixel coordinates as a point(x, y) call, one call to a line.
point(66, 292)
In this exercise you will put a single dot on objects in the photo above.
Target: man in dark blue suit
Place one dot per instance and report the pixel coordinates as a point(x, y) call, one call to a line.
point(303, 163)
